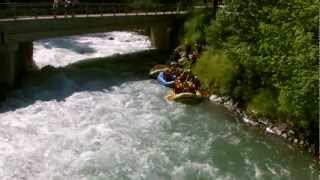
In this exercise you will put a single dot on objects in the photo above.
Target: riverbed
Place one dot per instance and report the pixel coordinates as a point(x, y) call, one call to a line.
point(92, 117)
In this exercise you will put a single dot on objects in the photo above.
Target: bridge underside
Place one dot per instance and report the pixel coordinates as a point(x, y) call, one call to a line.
point(16, 36)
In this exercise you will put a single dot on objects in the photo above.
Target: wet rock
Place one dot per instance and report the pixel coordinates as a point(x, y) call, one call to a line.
point(263, 121)
point(248, 121)
point(111, 38)
point(226, 99)
point(277, 131)
point(269, 130)
point(215, 98)
point(230, 105)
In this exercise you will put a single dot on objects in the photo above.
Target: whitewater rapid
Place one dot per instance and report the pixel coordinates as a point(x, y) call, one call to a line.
point(59, 52)
point(103, 119)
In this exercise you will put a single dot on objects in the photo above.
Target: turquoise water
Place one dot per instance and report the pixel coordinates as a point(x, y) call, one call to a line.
point(104, 119)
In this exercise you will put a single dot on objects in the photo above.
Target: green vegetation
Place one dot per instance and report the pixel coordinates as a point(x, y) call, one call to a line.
point(216, 71)
point(270, 62)
point(195, 27)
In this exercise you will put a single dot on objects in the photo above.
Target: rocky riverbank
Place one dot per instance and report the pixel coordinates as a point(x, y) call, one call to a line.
point(281, 130)
point(297, 139)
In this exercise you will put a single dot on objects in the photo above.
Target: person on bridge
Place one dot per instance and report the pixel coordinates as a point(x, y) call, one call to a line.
point(67, 5)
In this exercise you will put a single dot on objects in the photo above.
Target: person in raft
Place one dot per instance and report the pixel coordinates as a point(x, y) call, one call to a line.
point(169, 75)
point(186, 83)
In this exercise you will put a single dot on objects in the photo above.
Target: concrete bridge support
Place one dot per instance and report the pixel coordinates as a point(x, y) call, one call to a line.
point(7, 65)
point(15, 59)
point(160, 36)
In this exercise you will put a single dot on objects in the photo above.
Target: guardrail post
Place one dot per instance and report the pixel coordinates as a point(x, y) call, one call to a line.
point(54, 13)
point(86, 9)
point(72, 11)
point(35, 13)
point(14, 11)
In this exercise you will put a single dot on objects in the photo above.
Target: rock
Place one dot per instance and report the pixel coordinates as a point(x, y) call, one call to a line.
point(248, 121)
point(269, 130)
point(215, 98)
point(111, 38)
point(183, 54)
point(307, 144)
point(229, 105)
point(225, 99)
point(277, 131)
point(262, 121)
point(301, 143)
point(48, 68)
point(238, 111)
point(178, 49)
point(283, 127)
point(295, 141)
point(291, 132)
point(284, 135)
point(173, 63)
point(182, 60)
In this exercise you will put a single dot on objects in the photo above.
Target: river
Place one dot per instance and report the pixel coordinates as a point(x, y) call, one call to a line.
point(103, 119)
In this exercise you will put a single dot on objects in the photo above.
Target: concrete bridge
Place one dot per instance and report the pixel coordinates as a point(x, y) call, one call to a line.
point(20, 24)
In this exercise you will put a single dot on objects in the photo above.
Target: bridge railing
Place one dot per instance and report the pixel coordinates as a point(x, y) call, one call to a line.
point(20, 10)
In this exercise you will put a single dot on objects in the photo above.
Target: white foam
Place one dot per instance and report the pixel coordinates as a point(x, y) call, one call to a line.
point(60, 52)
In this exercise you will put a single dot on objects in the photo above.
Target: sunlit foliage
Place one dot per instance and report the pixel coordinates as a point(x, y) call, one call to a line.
point(274, 44)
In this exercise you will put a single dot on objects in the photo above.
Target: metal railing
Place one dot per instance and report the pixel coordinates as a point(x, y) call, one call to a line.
point(35, 10)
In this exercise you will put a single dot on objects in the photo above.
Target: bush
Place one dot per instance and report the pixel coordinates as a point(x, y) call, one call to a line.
point(263, 104)
point(273, 45)
point(194, 27)
point(216, 71)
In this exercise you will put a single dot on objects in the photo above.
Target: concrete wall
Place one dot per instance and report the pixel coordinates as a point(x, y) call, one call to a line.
point(160, 36)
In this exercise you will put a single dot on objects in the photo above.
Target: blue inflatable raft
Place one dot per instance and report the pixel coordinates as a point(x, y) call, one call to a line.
point(163, 81)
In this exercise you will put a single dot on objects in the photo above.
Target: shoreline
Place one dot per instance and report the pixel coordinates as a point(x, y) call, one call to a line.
point(281, 129)
point(291, 137)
